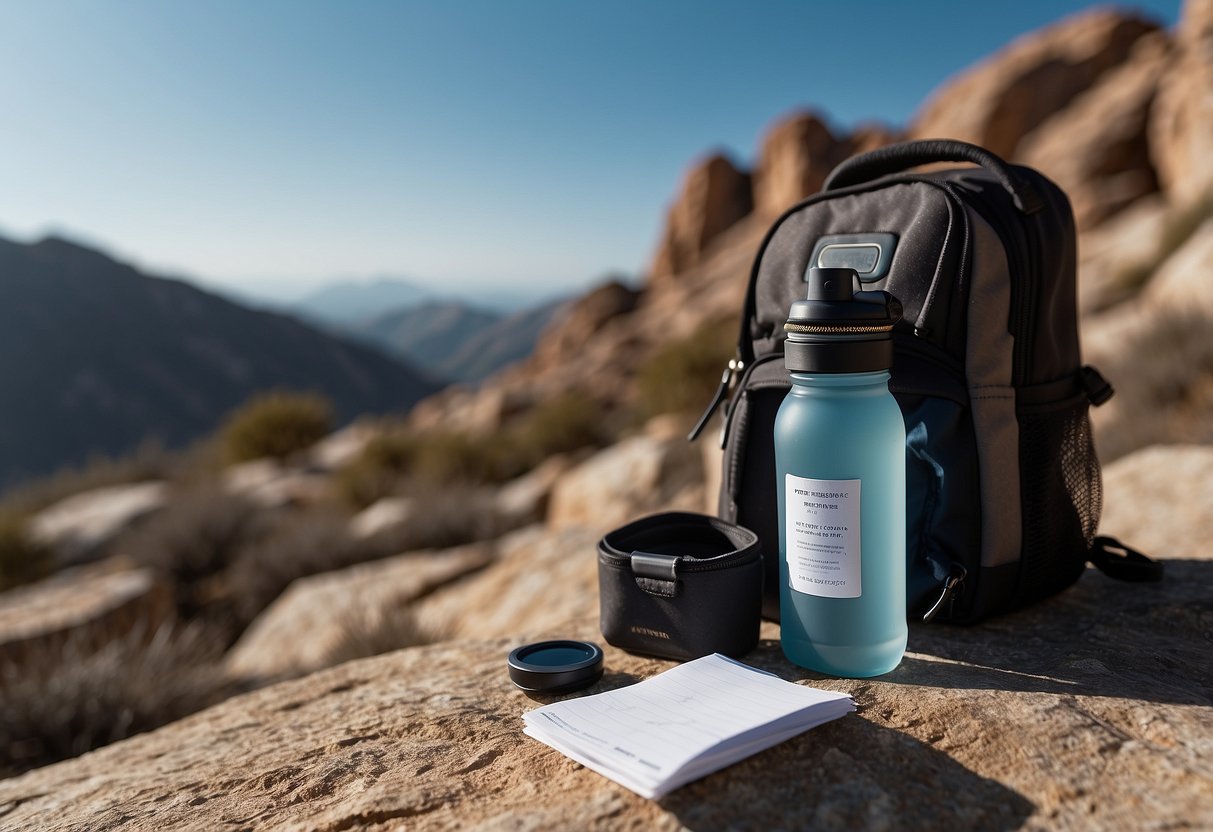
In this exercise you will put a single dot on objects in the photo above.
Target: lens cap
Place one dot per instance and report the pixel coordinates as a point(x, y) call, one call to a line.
point(551, 668)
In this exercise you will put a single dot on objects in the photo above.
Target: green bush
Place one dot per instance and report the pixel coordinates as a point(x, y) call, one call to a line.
point(681, 375)
point(379, 470)
point(276, 425)
point(555, 426)
point(22, 559)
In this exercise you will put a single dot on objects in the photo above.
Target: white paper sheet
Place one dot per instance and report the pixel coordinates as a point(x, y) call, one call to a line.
point(683, 724)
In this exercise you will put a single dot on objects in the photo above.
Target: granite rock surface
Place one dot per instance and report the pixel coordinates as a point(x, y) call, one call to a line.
point(1092, 710)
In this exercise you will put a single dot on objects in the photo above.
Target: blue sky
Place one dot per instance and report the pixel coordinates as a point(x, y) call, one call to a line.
point(274, 145)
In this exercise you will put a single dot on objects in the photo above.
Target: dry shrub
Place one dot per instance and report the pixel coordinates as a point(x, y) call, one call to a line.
point(82, 697)
point(198, 534)
point(401, 462)
point(22, 559)
point(294, 545)
point(150, 461)
point(276, 425)
point(378, 471)
point(681, 375)
point(364, 636)
point(442, 519)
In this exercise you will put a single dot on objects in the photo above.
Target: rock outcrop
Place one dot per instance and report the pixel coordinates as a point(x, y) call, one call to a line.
point(1088, 711)
point(79, 528)
point(585, 317)
point(324, 619)
point(89, 605)
point(1181, 129)
point(1001, 100)
point(539, 579)
point(658, 469)
point(1156, 350)
point(1116, 259)
point(1096, 148)
point(797, 154)
point(271, 484)
point(714, 195)
point(1160, 499)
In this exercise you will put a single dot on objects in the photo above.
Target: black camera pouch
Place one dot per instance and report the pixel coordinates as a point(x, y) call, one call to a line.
point(680, 586)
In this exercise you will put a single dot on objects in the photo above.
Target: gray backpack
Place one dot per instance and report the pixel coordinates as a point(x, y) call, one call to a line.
point(1003, 484)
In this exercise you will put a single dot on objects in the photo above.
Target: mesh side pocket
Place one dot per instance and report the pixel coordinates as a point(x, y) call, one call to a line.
point(1062, 496)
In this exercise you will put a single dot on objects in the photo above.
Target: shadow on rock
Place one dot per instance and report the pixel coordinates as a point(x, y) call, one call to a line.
point(1101, 637)
point(849, 774)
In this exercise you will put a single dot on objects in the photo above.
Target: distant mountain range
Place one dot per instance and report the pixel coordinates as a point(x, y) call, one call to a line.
point(96, 356)
point(455, 340)
point(350, 301)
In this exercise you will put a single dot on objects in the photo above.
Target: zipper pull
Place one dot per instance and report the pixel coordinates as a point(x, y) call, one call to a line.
point(949, 593)
point(736, 365)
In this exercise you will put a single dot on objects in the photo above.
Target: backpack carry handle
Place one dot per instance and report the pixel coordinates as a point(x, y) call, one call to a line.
point(898, 157)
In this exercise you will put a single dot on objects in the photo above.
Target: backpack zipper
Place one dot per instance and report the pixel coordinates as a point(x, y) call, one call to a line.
point(952, 588)
point(735, 366)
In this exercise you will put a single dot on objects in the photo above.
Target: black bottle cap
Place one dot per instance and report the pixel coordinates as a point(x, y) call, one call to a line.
point(838, 330)
point(550, 668)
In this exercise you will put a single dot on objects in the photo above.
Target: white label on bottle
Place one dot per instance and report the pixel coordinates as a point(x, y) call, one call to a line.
point(822, 536)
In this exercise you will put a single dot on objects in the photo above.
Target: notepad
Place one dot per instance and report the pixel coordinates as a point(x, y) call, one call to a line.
point(683, 724)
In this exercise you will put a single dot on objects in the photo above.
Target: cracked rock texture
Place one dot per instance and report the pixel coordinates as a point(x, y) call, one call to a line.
point(1092, 710)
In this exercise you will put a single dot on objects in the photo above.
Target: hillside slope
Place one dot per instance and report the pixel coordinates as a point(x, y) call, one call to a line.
point(96, 356)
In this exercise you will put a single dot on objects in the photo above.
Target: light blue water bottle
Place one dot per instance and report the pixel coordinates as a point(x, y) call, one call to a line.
point(840, 460)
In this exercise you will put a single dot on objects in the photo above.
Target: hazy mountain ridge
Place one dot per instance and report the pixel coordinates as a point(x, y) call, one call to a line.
point(96, 356)
point(456, 340)
point(349, 301)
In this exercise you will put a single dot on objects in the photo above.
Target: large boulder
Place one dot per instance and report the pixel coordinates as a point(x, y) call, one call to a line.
point(797, 154)
point(652, 471)
point(343, 447)
point(1096, 148)
point(587, 315)
point(1008, 95)
point(539, 579)
point(524, 500)
point(714, 195)
point(1088, 711)
point(1160, 499)
point(79, 528)
point(1157, 352)
point(1117, 258)
point(324, 619)
point(1181, 128)
point(87, 606)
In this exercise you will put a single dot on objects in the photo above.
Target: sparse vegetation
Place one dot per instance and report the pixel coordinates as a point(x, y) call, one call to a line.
point(293, 546)
point(197, 536)
point(362, 637)
point(150, 461)
point(406, 462)
point(276, 425)
point(681, 375)
point(22, 559)
point(81, 697)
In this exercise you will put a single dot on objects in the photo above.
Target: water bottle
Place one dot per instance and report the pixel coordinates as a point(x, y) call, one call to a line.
point(840, 460)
